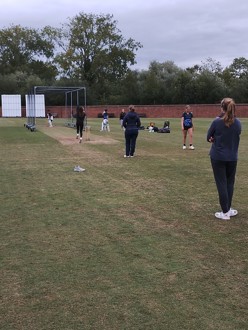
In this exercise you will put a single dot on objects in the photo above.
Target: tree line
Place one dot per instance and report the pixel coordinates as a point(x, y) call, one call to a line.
point(90, 51)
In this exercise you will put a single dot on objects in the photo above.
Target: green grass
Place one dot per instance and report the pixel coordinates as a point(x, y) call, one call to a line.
point(127, 244)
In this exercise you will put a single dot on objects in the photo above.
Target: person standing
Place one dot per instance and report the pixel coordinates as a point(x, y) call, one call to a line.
point(122, 115)
point(80, 117)
point(224, 134)
point(187, 127)
point(105, 122)
point(131, 123)
point(50, 119)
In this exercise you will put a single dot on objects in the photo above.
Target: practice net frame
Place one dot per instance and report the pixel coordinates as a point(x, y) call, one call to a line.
point(72, 96)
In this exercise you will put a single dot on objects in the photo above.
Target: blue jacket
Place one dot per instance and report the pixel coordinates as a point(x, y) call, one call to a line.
point(225, 140)
point(131, 121)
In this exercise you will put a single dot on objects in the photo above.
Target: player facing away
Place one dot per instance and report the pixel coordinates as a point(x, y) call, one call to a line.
point(224, 135)
point(131, 123)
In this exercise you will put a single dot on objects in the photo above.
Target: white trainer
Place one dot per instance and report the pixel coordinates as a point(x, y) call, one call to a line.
point(232, 212)
point(192, 147)
point(184, 147)
point(79, 169)
point(222, 216)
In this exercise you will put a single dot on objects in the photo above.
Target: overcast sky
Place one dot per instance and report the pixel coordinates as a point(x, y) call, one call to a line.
point(186, 32)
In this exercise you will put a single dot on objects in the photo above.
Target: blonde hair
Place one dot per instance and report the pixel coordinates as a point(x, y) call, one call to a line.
point(229, 107)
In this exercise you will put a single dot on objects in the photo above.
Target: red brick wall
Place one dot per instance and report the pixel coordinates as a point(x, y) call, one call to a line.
point(151, 111)
point(155, 111)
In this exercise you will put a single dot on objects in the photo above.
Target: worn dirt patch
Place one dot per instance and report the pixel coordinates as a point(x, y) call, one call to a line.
point(66, 136)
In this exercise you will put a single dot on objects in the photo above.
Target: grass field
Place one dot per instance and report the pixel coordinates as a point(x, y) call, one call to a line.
point(127, 244)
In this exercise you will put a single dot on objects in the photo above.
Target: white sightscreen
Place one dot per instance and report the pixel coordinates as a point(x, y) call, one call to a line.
point(11, 106)
point(39, 105)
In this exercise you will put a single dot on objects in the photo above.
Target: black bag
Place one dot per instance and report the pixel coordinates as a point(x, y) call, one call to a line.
point(164, 130)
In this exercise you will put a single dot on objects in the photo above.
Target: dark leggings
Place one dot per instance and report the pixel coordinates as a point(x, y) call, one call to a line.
point(80, 129)
point(224, 175)
point(131, 137)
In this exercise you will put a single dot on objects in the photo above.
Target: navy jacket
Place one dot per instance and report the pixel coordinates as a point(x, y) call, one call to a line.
point(225, 140)
point(131, 121)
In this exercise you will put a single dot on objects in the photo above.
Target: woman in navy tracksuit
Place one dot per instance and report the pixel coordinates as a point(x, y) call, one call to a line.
point(224, 134)
point(132, 123)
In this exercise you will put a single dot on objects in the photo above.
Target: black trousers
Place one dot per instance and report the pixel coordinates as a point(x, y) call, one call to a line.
point(224, 175)
point(131, 137)
point(80, 129)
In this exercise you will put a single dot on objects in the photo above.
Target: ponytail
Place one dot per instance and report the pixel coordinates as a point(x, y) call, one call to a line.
point(229, 108)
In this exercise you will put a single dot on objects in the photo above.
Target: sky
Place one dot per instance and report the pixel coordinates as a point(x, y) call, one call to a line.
point(187, 32)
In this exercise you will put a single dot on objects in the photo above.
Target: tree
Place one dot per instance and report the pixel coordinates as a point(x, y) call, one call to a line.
point(239, 68)
point(130, 88)
point(28, 51)
point(236, 78)
point(184, 88)
point(94, 50)
point(207, 84)
point(212, 66)
point(208, 88)
point(160, 82)
point(150, 87)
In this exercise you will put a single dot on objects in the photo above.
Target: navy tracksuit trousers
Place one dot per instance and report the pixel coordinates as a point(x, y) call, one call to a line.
point(131, 137)
point(224, 175)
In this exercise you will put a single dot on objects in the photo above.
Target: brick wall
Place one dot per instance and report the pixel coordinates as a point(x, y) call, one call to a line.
point(155, 111)
point(150, 111)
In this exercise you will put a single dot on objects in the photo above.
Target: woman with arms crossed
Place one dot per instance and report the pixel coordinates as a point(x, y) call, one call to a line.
point(224, 134)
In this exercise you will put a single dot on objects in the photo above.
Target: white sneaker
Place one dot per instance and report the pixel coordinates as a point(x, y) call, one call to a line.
point(222, 216)
point(192, 147)
point(232, 212)
point(78, 169)
point(125, 156)
point(184, 147)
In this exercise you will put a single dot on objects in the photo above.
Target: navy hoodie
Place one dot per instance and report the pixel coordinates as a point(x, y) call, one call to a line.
point(225, 140)
point(131, 121)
